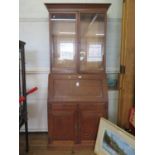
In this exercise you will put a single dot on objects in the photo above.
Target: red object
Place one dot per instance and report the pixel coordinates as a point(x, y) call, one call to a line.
point(22, 98)
point(132, 117)
point(31, 90)
point(132, 120)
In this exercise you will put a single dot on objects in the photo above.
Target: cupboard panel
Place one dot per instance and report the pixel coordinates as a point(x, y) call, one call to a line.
point(89, 120)
point(62, 123)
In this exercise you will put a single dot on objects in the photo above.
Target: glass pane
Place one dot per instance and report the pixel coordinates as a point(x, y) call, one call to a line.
point(92, 42)
point(63, 37)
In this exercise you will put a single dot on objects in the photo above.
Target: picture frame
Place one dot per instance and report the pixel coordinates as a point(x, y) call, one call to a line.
point(112, 140)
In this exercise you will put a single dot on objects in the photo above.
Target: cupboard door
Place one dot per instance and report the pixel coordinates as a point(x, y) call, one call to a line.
point(92, 42)
point(89, 121)
point(62, 122)
point(63, 42)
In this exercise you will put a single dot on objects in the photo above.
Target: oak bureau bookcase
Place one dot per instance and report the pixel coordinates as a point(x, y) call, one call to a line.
point(77, 87)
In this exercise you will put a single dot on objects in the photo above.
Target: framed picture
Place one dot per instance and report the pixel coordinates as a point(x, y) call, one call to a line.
point(112, 140)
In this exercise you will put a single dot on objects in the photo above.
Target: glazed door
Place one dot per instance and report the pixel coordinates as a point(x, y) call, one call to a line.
point(92, 42)
point(63, 42)
point(77, 42)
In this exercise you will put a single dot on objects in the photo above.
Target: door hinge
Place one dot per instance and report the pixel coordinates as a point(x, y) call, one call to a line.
point(122, 69)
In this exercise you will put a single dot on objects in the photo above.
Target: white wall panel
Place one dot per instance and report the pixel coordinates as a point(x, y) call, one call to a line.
point(113, 106)
point(113, 44)
point(37, 102)
point(37, 115)
point(36, 36)
point(32, 9)
point(40, 81)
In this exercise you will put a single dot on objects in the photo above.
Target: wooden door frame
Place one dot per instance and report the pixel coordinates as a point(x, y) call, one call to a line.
point(127, 61)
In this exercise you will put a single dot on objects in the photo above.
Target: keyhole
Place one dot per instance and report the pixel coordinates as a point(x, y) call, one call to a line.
point(77, 84)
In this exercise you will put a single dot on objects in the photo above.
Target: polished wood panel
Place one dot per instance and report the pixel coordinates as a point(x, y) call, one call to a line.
point(62, 122)
point(126, 82)
point(89, 116)
point(77, 88)
point(71, 88)
point(54, 7)
point(76, 122)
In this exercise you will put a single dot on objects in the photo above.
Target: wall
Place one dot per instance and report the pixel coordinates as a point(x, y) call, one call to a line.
point(33, 29)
